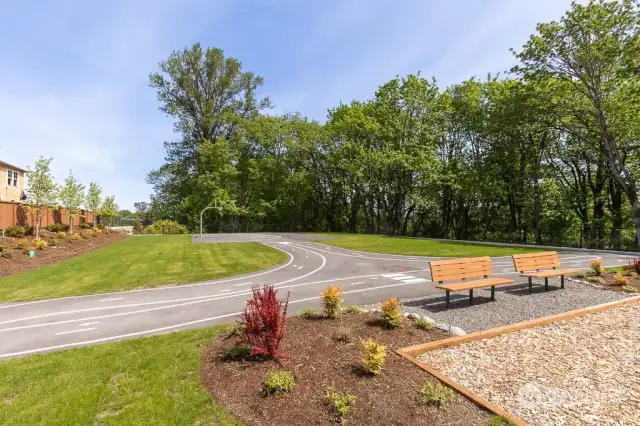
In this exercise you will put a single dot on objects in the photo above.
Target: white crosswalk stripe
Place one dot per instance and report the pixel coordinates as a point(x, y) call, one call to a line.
point(415, 280)
point(402, 277)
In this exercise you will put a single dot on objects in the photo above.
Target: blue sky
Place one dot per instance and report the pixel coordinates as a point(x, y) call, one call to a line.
point(75, 73)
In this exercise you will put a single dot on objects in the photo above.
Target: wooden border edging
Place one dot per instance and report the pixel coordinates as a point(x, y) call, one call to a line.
point(412, 352)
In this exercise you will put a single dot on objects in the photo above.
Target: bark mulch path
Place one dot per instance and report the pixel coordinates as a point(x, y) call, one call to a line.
point(58, 249)
point(319, 362)
point(582, 371)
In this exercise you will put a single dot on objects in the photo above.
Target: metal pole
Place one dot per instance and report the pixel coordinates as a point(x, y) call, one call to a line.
point(215, 206)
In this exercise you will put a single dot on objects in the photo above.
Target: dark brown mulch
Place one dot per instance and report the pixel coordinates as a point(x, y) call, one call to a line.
point(58, 249)
point(607, 280)
point(319, 362)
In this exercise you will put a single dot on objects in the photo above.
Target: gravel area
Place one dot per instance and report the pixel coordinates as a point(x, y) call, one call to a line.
point(582, 371)
point(513, 304)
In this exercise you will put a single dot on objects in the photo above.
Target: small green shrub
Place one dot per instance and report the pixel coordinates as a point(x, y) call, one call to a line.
point(22, 243)
point(436, 394)
point(628, 273)
point(423, 324)
point(391, 315)
point(137, 226)
point(621, 280)
point(237, 353)
point(308, 313)
point(498, 421)
point(29, 230)
point(62, 234)
point(580, 275)
point(5, 251)
point(39, 243)
point(596, 267)
point(629, 289)
point(373, 356)
point(278, 382)
point(166, 227)
point(86, 225)
point(596, 280)
point(340, 403)
point(353, 309)
point(237, 330)
point(76, 236)
point(15, 231)
point(57, 227)
point(331, 299)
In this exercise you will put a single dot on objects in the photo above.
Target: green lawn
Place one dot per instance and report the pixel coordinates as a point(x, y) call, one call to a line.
point(418, 247)
point(152, 380)
point(139, 262)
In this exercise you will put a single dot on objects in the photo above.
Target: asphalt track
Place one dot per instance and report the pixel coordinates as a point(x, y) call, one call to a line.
point(54, 324)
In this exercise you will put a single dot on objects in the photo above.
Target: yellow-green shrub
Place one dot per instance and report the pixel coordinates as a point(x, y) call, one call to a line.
point(391, 315)
point(436, 394)
point(373, 356)
point(39, 243)
point(76, 236)
point(619, 279)
point(331, 299)
point(62, 234)
point(22, 243)
point(596, 267)
point(340, 403)
point(278, 382)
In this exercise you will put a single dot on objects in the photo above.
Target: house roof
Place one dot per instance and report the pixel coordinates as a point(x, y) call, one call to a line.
point(2, 163)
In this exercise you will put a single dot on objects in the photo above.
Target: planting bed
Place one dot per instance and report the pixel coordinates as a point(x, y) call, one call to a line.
point(319, 362)
point(621, 279)
point(58, 249)
point(579, 371)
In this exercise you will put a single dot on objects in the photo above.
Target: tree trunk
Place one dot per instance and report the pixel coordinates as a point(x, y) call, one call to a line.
point(615, 206)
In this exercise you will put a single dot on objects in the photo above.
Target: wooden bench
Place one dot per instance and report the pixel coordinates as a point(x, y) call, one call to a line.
point(548, 260)
point(461, 270)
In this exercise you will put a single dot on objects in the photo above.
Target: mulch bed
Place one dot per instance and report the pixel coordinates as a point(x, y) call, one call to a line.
point(58, 249)
point(608, 281)
point(319, 362)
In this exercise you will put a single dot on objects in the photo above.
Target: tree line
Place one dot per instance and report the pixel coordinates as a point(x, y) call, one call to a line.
point(44, 194)
point(546, 153)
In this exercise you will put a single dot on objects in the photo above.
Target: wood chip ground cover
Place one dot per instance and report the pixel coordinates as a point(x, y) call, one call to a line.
point(319, 362)
point(584, 370)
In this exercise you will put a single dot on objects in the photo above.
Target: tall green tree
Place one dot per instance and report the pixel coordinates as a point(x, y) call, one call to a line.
point(93, 200)
point(592, 52)
point(109, 209)
point(71, 197)
point(42, 192)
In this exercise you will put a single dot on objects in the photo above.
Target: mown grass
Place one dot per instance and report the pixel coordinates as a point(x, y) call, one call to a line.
point(139, 262)
point(419, 247)
point(153, 380)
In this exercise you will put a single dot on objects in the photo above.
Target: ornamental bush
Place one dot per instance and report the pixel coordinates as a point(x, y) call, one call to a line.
point(39, 243)
point(391, 316)
point(331, 299)
point(373, 356)
point(263, 318)
point(436, 394)
point(340, 403)
point(596, 267)
point(166, 227)
point(279, 382)
point(15, 231)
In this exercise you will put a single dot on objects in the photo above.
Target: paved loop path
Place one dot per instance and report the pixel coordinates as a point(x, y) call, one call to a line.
point(39, 326)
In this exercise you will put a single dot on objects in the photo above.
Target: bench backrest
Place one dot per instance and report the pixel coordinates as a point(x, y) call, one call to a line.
point(456, 269)
point(536, 261)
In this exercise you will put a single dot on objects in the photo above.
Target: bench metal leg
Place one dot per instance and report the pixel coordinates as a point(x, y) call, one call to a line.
point(447, 305)
point(493, 292)
point(546, 284)
point(470, 297)
point(561, 281)
point(530, 285)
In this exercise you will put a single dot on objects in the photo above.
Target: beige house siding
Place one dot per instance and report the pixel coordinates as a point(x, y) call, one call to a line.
point(10, 190)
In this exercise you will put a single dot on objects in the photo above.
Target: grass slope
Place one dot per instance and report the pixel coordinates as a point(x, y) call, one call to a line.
point(152, 380)
point(418, 247)
point(139, 262)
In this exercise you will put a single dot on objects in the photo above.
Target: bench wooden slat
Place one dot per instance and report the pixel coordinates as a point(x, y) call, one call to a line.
point(468, 285)
point(535, 261)
point(548, 274)
point(472, 267)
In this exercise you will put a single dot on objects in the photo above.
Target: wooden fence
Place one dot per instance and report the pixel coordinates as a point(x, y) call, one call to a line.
point(12, 213)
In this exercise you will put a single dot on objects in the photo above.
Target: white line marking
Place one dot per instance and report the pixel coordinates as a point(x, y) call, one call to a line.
point(403, 277)
point(358, 283)
point(238, 285)
point(111, 299)
point(300, 267)
point(295, 266)
point(415, 281)
point(75, 331)
point(225, 290)
point(88, 323)
point(392, 275)
point(373, 278)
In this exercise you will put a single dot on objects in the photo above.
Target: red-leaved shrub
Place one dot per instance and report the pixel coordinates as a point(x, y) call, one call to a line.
point(263, 318)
